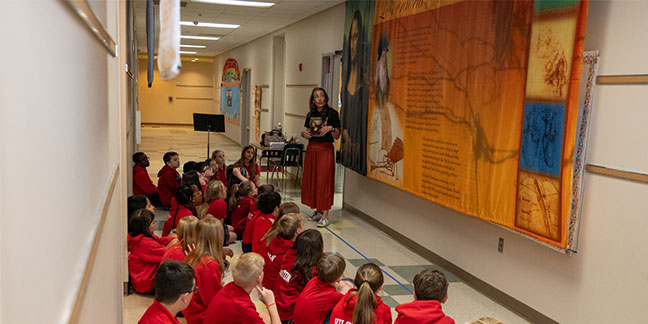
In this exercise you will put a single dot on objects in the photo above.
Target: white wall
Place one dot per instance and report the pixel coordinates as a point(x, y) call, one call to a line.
point(605, 282)
point(306, 41)
point(60, 139)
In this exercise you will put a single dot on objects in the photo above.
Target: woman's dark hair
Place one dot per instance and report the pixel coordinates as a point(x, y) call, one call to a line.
point(310, 248)
point(140, 222)
point(311, 104)
point(357, 17)
point(191, 178)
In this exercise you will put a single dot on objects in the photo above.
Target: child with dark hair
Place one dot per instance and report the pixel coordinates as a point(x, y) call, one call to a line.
point(174, 288)
point(145, 250)
point(136, 202)
point(322, 293)
point(169, 178)
point(241, 205)
point(268, 205)
point(430, 291)
point(142, 183)
point(363, 305)
point(205, 172)
point(182, 205)
point(279, 238)
point(296, 270)
point(189, 166)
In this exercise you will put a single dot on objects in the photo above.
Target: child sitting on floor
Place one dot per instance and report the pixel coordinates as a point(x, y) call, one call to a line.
point(174, 287)
point(142, 183)
point(209, 262)
point(241, 202)
point(322, 293)
point(279, 239)
point(182, 205)
point(430, 291)
point(187, 232)
point(169, 178)
point(363, 305)
point(297, 269)
point(268, 204)
point(216, 206)
point(145, 250)
point(232, 304)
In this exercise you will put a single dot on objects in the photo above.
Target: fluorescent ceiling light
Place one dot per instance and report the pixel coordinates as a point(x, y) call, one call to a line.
point(199, 37)
point(205, 24)
point(188, 52)
point(193, 46)
point(238, 3)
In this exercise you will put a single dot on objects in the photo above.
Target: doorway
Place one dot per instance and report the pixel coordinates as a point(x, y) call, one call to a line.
point(278, 80)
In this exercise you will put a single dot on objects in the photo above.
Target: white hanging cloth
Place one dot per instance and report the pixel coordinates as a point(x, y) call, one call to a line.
point(169, 44)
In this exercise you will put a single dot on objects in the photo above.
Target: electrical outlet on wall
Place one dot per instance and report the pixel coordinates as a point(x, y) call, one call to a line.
point(500, 245)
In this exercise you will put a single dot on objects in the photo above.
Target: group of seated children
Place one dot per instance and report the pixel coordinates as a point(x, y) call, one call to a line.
point(284, 263)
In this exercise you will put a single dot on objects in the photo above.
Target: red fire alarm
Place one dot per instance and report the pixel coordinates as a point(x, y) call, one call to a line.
point(300, 67)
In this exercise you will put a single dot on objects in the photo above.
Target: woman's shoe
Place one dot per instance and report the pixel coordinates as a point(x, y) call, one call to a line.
point(323, 222)
point(316, 216)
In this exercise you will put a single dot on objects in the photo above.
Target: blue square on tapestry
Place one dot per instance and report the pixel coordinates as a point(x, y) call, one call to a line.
point(542, 138)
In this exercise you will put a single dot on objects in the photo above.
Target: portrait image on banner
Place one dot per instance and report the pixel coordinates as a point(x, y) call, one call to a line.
point(230, 92)
point(474, 105)
point(355, 84)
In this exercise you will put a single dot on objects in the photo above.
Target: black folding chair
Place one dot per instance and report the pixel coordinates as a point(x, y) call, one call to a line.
point(291, 157)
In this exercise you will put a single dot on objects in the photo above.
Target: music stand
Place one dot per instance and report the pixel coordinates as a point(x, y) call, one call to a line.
point(209, 123)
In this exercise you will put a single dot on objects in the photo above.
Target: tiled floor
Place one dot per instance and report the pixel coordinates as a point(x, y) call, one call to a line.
point(348, 236)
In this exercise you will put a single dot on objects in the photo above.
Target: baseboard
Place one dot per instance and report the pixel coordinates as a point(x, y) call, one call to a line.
point(486, 289)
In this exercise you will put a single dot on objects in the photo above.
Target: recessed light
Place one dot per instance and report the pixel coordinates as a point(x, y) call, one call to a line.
point(199, 37)
point(188, 52)
point(193, 46)
point(206, 24)
point(238, 3)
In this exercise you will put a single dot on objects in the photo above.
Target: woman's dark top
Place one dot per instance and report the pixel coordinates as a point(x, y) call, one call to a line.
point(328, 117)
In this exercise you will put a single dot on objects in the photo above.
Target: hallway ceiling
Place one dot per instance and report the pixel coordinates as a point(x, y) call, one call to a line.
point(254, 22)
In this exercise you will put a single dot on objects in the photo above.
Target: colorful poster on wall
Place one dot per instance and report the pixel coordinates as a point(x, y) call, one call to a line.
point(230, 92)
point(474, 105)
point(355, 84)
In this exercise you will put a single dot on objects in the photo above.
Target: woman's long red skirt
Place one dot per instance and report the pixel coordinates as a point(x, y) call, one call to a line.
point(319, 176)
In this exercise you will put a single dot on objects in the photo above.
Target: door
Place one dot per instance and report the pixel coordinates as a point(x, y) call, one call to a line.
point(245, 107)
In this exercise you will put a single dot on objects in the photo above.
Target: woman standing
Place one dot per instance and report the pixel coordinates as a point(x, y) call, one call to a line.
point(322, 128)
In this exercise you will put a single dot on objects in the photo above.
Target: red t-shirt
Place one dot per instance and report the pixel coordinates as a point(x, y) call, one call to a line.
point(287, 288)
point(343, 311)
point(261, 226)
point(422, 312)
point(144, 255)
point(168, 184)
point(208, 280)
point(142, 183)
point(249, 226)
point(273, 260)
point(241, 213)
point(218, 209)
point(174, 252)
point(232, 305)
point(222, 176)
point(157, 314)
point(315, 302)
point(177, 211)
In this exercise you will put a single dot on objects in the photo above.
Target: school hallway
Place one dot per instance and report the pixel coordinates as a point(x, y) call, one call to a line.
point(348, 235)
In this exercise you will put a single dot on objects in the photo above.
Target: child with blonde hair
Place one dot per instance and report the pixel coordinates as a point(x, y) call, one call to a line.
point(215, 205)
point(233, 305)
point(362, 305)
point(187, 235)
point(208, 261)
point(279, 239)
